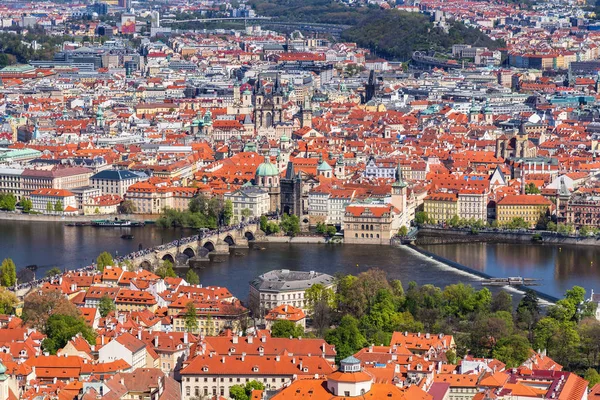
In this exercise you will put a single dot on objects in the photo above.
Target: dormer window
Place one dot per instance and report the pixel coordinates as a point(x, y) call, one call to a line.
point(205, 369)
point(254, 369)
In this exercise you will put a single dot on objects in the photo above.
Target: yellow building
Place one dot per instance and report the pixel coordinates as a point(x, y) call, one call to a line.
point(528, 207)
point(440, 207)
point(135, 300)
point(213, 317)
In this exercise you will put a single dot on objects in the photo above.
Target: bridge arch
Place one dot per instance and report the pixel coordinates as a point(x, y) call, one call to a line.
point(249, 235)
point(229, 240)
point(169, 257)
point(210, 246)
point(146, 264)
point(189, 252)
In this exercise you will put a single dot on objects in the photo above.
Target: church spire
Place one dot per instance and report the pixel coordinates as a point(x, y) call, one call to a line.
point(399, 179)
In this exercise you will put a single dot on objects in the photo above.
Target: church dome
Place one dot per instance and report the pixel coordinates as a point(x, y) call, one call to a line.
point(324, 167)
point(267, 169)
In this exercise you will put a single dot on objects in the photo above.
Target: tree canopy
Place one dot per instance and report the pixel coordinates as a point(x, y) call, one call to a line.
point(61, 328)
point(104, 260)
point(8, 273)
point(284, 328)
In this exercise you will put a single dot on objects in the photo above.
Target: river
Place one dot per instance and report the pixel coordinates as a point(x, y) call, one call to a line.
point(50, 244)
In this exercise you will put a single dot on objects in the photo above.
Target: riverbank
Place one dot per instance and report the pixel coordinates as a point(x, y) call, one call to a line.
point(427, 236)
point(478, 274)
point(16, 216)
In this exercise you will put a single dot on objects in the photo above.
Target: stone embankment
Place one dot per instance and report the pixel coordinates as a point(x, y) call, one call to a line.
point(428, 236)
point(16, 216)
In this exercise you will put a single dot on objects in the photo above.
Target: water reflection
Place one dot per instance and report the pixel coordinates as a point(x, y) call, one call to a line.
point(558, 267)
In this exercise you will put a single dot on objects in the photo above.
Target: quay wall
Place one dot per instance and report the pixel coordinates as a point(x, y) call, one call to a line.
point(428, 236)
point(72, 218)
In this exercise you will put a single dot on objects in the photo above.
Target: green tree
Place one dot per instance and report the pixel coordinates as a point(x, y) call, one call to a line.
point(165, 270)
point(49, 207)
point(530, 188)
point(562, 311)
point(284, 329)
point(321, 228)
point(53, 272)
point(263, 223)
point(584, 231)
point(27, 205)
point(517, 223)
point(502, 301)
point(551, 226)
point(8, 301)
point(127, 207)
point(454, 222)
point(61, 328)
point(421, 217)
point(104, 260)
point(8, 273)
point(192, 278)
point(238, 392)
point(8, 202)
point(403, 231)
point(190, 317)
point(246, 212)
point(290, 224)
point(592, 376)
point(271, 228)
point(576, 295)
point(589, 332)
point(512, 350)
point(320, 302)
point(528, 312)
point(106, 306)
point(346, 338)
point(451, 356)
point(331, 231)
point(565, 229)
point(227, 212)
point(58, 206)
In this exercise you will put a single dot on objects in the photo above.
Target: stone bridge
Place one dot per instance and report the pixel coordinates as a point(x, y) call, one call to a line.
point(201, 249)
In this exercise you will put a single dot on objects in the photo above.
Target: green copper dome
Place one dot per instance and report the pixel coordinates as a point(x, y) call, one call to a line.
point(323, 166)
point(267, 169)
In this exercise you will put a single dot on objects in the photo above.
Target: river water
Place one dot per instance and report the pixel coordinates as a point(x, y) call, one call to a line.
point(49, 244)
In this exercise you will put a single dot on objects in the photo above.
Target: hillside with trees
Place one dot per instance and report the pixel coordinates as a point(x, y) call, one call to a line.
point(389, 33)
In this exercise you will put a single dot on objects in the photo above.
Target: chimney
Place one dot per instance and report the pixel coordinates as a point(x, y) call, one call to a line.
point(223, 359)
point(263, 339)
point(277, 358)
point(155, 341)
point(102, 339)
point(243, 356)
point(250, 339)
point(234, 340)
point(185, 337)
point(139, 335)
